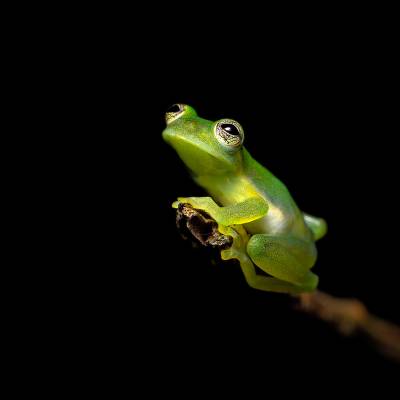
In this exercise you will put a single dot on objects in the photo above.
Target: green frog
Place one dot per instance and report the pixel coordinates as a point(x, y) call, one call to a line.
point(248, 202)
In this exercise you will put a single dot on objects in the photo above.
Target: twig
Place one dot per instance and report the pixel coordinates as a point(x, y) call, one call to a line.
point(349, 316)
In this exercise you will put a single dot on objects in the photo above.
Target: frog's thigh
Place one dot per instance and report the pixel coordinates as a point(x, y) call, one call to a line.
point(285, 258)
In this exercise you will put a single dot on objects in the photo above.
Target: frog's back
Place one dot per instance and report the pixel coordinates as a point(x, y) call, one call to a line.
point(283, 217)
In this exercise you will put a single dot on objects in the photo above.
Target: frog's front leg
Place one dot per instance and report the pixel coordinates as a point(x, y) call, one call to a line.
point(238, 251)
point(240, 213)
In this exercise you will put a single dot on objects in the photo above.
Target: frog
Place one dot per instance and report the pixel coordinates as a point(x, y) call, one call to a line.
point(273, 240)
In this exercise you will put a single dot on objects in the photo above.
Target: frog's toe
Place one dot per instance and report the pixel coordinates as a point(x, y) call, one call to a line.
point(190, 200)
point(240, 239)
point(184, 200)
point(227, 254)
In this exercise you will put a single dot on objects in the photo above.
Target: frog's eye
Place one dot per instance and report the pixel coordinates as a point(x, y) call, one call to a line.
point(174, 112)
point(229, 133)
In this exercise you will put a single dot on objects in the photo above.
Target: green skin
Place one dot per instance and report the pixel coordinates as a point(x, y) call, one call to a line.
point(248, 203)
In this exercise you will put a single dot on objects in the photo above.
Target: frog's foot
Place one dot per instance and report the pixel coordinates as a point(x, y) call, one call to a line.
point(206, 204)
point(240, 239)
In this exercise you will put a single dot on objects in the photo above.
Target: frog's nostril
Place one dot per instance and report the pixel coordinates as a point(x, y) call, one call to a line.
point(174, 108)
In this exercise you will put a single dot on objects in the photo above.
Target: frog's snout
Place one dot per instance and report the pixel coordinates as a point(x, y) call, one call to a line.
point(166, 134)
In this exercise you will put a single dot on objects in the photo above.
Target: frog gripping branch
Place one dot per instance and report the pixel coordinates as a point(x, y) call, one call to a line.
point(247, 202)
point(250, 216)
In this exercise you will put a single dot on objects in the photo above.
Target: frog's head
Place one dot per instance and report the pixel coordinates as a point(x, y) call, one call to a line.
point(206, 147)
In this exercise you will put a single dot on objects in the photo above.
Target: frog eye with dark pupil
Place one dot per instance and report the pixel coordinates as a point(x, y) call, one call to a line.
point(174, 112)
point(229, 133)
point(174, 108)
point(231, 129)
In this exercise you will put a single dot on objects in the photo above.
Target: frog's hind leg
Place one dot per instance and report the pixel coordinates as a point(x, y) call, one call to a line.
point(266, 283)
point(285, 258)
point(238, 251)
point(317, 226)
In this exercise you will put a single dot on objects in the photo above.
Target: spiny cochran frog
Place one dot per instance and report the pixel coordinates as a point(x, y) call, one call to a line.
point(248, 203)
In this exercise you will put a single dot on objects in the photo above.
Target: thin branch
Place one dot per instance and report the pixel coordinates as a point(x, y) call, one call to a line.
point(349, 316)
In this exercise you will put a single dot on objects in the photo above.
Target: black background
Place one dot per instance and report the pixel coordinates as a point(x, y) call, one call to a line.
point(322, 118)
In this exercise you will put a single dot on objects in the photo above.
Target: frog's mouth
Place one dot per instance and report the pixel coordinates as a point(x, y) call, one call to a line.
point(198, 157)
